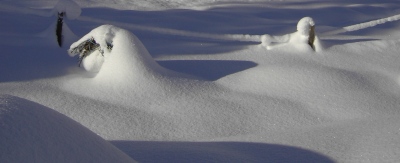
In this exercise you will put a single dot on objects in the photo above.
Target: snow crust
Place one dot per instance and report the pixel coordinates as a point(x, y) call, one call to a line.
point(30, 132)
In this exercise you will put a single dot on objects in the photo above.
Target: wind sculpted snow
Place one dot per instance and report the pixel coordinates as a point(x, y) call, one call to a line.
point(30, 132)
point(198, 74)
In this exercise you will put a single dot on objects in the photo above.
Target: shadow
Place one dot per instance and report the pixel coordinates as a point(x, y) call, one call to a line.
point(327, 43)
point(207, 69)
point(146, 151)
point(175, 32)
point(20, 63)
point(190, 46)
point(184, 31)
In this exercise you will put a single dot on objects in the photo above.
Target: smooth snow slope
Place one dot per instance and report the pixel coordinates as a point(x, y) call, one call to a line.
point(247, 101)
point(30, 132)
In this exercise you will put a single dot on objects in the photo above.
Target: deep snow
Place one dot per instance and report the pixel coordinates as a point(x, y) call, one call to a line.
point(216, 81)
point(30, 132)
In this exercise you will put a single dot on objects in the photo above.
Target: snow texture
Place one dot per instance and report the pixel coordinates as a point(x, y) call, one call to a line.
point(30, 132)
point(203, 81)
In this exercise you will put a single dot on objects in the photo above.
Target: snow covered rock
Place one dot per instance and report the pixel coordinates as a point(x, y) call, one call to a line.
point(30, 132)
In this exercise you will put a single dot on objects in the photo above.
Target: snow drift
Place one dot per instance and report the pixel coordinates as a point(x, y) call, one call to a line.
point(126, 67)
point(341, 102)
point(127, 57)
point(30, 132)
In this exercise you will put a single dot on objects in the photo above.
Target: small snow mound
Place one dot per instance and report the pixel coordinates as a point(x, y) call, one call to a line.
point(266, 40)
point(69, 7)
point(303, 40)
point(30, 132)
point(304, 25)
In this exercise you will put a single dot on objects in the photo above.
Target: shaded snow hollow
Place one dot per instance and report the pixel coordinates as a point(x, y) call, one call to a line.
point(30, 132)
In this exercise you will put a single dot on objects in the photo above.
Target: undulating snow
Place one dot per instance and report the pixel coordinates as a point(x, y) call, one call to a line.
point(30, 132)
point(202, 81)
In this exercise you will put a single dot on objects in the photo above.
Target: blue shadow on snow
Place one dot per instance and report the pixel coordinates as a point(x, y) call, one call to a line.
point(147, 151)
point(207, 69)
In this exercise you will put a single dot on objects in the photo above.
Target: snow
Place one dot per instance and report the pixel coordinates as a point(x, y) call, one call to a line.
point(297, 40)
point(202, 81)
point(71, 8)
point(31, 132)
point(304, 25)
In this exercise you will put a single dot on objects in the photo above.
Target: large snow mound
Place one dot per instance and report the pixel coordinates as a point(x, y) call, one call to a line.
point(127, 57)
point(30, 132)
point(122, 70)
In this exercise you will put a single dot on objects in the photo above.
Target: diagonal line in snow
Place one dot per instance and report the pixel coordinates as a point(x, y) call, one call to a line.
point(364, 25)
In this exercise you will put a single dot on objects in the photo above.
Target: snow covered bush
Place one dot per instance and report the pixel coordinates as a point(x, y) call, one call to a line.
point(112, 51)
point(303, 37)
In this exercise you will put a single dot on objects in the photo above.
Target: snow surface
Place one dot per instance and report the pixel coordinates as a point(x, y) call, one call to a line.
point(211, 80)
point(30, 132)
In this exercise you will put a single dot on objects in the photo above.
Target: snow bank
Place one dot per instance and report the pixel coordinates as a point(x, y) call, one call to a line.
point(30, 132)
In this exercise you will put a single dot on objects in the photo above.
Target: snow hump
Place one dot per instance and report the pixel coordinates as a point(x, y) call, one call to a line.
point(127, 61)
point(304, 25)
point(30, 132)
point(299, 40)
